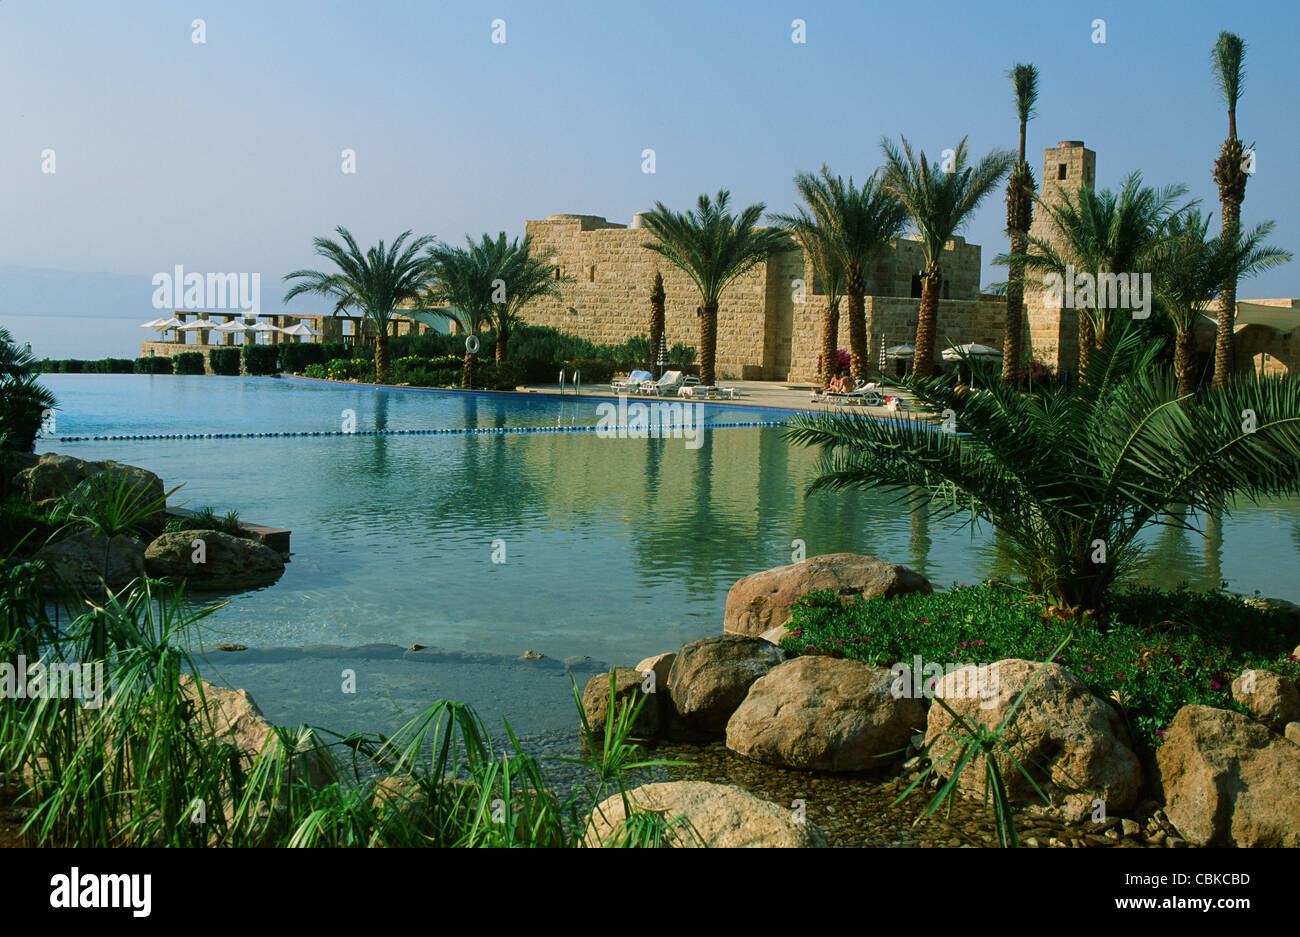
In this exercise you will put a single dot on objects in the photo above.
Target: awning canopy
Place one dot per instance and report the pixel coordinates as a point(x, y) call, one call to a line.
point(1280, 318)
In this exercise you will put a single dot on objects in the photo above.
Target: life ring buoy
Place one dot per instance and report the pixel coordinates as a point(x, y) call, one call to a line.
point(471, 344)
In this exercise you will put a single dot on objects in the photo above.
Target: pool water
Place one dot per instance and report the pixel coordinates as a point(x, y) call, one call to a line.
point(563, 543)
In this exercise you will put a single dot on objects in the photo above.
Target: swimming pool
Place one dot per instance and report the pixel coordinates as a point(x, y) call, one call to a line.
point(566, 543)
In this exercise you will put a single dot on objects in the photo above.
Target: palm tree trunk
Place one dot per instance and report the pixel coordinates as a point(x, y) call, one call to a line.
point(381, 354)
point(468, 371)
point(856, 288)
point(927, 322)
point(1227, 304)
point(503, 341)
point(656, 323)
point(830, 341)
point(1185, 361)
point(708, 343)
point(1087, 339)
point(1011, 342)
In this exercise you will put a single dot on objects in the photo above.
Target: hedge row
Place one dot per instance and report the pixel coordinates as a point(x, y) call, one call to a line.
point(78, 366)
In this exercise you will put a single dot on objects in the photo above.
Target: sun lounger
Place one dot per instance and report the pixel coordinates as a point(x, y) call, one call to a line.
point(633, 381)
point(668, 384)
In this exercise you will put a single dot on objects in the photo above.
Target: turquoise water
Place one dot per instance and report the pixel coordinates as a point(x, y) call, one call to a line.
point(613, 548)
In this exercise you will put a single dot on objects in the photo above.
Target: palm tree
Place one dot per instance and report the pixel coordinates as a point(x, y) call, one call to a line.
point(853, 225)
point(463, 280)
point(1071, 477)
point(524, 278)
point(1099, 233)
point(821, 247)
point(856, 224)
point(657, 325)
point(1230, 175)
point(713, 248)
point(375, 282)
point(1191, 269)
point(940, 203)
point(1020, 215)
point(23, 400)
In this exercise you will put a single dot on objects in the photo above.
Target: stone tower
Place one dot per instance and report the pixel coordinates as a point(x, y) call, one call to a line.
point(1053, 335)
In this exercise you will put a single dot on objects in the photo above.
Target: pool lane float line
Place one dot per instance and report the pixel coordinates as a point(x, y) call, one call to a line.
point(461, 431)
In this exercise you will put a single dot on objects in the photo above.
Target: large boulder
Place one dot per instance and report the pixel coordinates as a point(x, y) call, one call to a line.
point(661, 665)
point(1229, 781)
point(627, 689)
point(79, 561)
point(229, 563)
point(761, 602)
point(1272, 698)
point(710, 677)
point(1074, 745)
point(233, 717)
point(719, 816)
point(819, 713)
point(1279, 607)
point(55, 475)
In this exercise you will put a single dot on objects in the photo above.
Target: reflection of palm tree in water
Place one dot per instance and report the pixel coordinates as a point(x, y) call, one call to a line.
point(1212, 550)
point(381, 411)
point(919, 543)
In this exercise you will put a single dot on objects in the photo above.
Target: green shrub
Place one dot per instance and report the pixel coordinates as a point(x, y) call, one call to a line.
point(591, 370)
point(188, 362)
point(24, 401)
point(224, 361)
point(120, 365)
point(425, 345)
point(332, 350)
point(295, 357)
point(261, 359)
point(1162, 650)
point(155, 365)
point(350, 369)
point(315, 370)
point(207, 519)
point(72, 366)
point(443, 371)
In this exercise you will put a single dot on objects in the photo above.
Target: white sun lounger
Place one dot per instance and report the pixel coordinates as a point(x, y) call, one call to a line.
point(668, 384)
point(633, 381)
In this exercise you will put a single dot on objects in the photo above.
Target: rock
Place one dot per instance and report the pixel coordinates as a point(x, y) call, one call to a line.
point(1075, 745)
point(233, 717)
point(79, 561)
point(1130, 827)
point(775, 635)
point(710, 678)
point(761, 602)
point(1271, 698)
point(661, 665)
point(232, 563)
point(1292, 732)
point(722, 815)
point(1229, 781)
point(55, 475)
point(826, 714)
point(627, 687)
point(1280, 607)
point(534, 655)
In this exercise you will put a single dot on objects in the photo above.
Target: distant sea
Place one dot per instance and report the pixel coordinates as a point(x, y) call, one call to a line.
point(65, 336)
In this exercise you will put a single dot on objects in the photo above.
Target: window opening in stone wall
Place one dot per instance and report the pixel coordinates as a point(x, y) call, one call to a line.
point(1060, 171)
point(916, 286)
point(591, 274)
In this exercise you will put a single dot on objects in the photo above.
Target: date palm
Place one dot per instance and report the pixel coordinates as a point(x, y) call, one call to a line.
point(657, 325)
point(524, 276)
point(1020, 215)
point(1190, 269)
point(1099, 233)
point(713, 248)
point(939, 203)
point(1230, 175)
point(462, 284)
point(1072, 477)
point(820, 246)
point(375, 282)
point(857, 224)
point(23, 400)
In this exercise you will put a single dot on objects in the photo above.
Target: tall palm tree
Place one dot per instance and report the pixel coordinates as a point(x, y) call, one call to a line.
point(854, 225)
point(462, 281)
point(713, 247)
point(524, 277)
point(1190, 269)
point(1020, 215)
point(1230, 175)
point(1058, 471)
point(1099, 233)
point(939, 203)
point(375, 282)
point(821, 248)
point(657, 326)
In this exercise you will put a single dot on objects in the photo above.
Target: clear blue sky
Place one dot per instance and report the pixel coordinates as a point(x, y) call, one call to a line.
point(225, 156)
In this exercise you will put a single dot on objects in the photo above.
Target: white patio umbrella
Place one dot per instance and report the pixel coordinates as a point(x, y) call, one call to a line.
point(302, 328)
point(163, 325)
point(234, 325)
point(972, 350)
point(900, 351)
point(194, 324)
point(152, 323)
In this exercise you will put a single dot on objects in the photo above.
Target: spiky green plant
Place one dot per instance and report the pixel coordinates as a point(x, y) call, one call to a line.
point(23, 399)
point(1071, 477)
